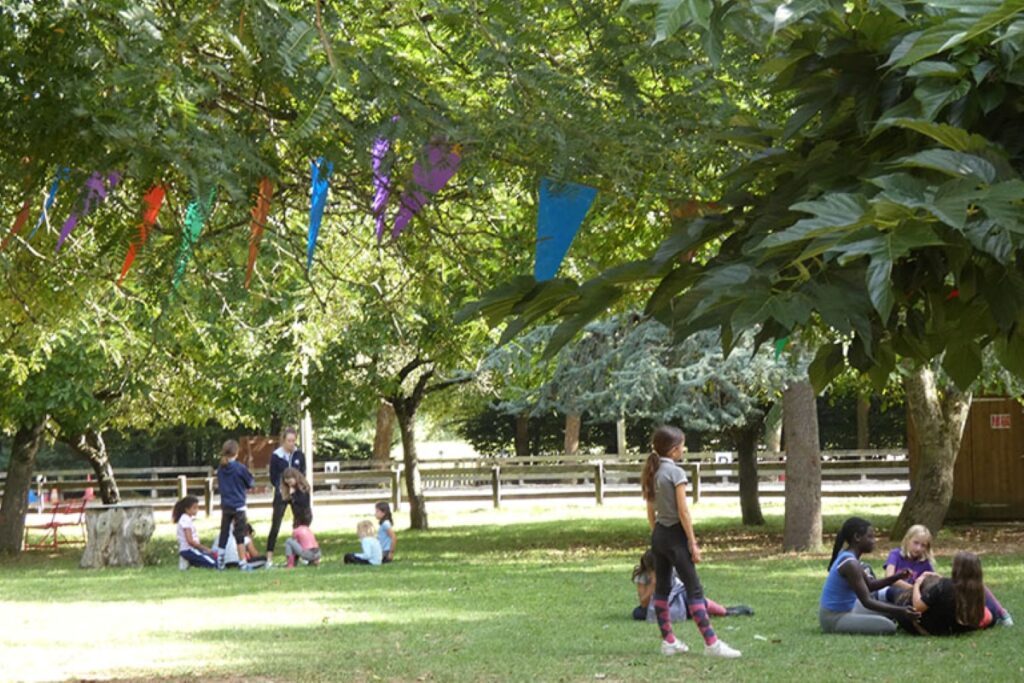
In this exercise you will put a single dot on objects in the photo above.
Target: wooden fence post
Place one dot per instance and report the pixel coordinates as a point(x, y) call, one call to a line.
point(208, 496)
point(182, 486)
point(599, 482)
point(153, 493)
point(696, 483)
point(496, 485)
point(396, 487)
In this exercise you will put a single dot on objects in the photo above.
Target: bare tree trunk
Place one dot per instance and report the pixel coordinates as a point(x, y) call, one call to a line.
point(773, 436)
point(863, 423)
point(803, 468)
point(413, 482)
point(523, 434)
point(572, 433)
point(117, 537)
point(939, 421)
point(90, 446)
point(382, 437)
point(620, 437)
point(19, 479)
point(746, 454)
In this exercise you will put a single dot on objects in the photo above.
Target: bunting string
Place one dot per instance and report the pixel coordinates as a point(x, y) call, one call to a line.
point(442, 162)
point(195, 217)
point(318, 202)
point(259, 222)
point(61, 175)
point(96, 190)
point(152, 201)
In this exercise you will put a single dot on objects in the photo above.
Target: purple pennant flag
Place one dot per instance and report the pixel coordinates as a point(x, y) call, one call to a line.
point(381, 184)
point(442, 162)
point(96, 190)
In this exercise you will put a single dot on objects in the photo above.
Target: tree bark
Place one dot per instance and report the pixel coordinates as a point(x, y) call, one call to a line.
point(802, 530)
point(773, 437)
point(406, 415)
point(620, 436)
point(863, 423)
point(19, 480)
point(746, 454)
point(523, 434)
point(382, 437)
point(572, 433)
point(938, 420)
point(90, 446)
point(117, 537)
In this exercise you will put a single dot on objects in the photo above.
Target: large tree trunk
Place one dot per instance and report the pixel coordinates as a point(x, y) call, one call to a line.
point(939, 426)
point(90, 446)
point(406, 415)
point(746, 454)
point(382, 437)
point(523, 434)
point(19, 479)
point(863, 423)
point(802, 529)
point(572, 433)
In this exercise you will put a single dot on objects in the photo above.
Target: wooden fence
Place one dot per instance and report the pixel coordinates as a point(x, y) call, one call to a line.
point(844, 473)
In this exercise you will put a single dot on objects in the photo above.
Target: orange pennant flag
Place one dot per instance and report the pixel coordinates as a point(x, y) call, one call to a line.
point(259, 222)
point(153, 200)
point(19, 222)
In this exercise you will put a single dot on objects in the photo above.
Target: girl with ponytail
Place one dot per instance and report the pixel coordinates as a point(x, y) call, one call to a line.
point(663, 485)
point(847, 605)
point(955, 605)
point(234, 481)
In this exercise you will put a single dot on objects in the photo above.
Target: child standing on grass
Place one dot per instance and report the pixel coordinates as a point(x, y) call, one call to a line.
point(674, 544)
point(386, 532)
point(914, 553)
point(372, 553)
point(644, 578)
point(295, 491)
point(302, 545)
point(233, 480)
point(846, 603)
point(189, 547)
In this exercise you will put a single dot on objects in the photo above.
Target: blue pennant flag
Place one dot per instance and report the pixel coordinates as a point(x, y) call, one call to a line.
point(561, 210)
point(318, 201)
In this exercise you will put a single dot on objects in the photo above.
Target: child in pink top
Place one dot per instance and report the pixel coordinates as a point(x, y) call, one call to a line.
point(303, 545)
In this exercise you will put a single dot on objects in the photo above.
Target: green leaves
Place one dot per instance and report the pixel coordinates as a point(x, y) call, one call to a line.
point(951, 163)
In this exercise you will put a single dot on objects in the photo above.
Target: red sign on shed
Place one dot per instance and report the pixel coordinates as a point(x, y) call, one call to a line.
point(999, 420)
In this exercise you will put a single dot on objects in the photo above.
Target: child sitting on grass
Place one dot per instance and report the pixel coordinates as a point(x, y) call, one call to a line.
point(914, 553)
point(372, 552)
point(189, 548)
point(644, 578)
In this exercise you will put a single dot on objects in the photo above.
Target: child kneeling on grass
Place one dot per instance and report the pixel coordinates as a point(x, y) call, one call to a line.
point(372, 552)
point(302, 545)
point(189, 548)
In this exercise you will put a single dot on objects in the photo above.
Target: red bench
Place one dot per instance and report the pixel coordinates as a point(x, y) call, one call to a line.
point(64, 514)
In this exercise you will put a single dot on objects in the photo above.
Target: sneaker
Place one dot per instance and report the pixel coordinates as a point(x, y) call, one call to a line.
point(739, 611)
point(245, 566)
point(220, 562)
point(720, 649)
point(1005, 620)
point(668, 649)
point(303, 561)
point(269, 565)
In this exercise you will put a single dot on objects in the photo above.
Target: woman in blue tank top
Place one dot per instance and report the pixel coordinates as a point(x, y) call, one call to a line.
point(847, 605)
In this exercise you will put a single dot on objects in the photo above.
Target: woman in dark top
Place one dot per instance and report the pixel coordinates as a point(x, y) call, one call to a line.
point(949, 606)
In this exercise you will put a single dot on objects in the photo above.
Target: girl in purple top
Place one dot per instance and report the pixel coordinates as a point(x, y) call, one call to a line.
point(915, 554)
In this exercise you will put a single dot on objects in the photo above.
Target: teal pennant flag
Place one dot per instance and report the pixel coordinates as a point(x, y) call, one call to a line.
point(560, 212)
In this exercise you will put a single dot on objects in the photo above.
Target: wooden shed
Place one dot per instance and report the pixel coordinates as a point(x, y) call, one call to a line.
point(989, 472)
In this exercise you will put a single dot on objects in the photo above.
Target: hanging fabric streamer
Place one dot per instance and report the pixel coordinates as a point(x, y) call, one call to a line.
point(195, 217)
point(381, 184)
point(318, 201)
point(19, 222)
point(259, 222)
point(62, 174)
point(152, 200)
point(442, 162)
point(560, 212)
point(96, 190)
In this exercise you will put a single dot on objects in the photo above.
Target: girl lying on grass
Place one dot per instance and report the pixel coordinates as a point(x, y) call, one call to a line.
point(644, 578)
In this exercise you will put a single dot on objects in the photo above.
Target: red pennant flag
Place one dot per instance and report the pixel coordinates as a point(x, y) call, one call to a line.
point(153, 200)
point(19, 222)
point(259, 221)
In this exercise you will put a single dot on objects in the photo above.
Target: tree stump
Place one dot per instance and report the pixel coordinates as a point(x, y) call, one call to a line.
point(117, 536)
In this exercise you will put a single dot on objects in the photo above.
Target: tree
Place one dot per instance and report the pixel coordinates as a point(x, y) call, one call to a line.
point(803, 468)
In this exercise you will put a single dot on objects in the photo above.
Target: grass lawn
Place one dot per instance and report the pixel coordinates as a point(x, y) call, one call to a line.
point(521, 594)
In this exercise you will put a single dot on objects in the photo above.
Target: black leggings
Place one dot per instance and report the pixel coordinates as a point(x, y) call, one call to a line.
point(671, 549)
point(275, 521)
point(226, 516)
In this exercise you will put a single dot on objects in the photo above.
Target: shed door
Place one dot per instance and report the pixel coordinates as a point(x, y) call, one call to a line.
point(997, 467)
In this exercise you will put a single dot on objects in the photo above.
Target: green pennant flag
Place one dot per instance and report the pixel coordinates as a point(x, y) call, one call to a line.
point(195, 217)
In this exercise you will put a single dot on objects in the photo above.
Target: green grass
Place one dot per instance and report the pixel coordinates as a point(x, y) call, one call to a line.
point(535, 594)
